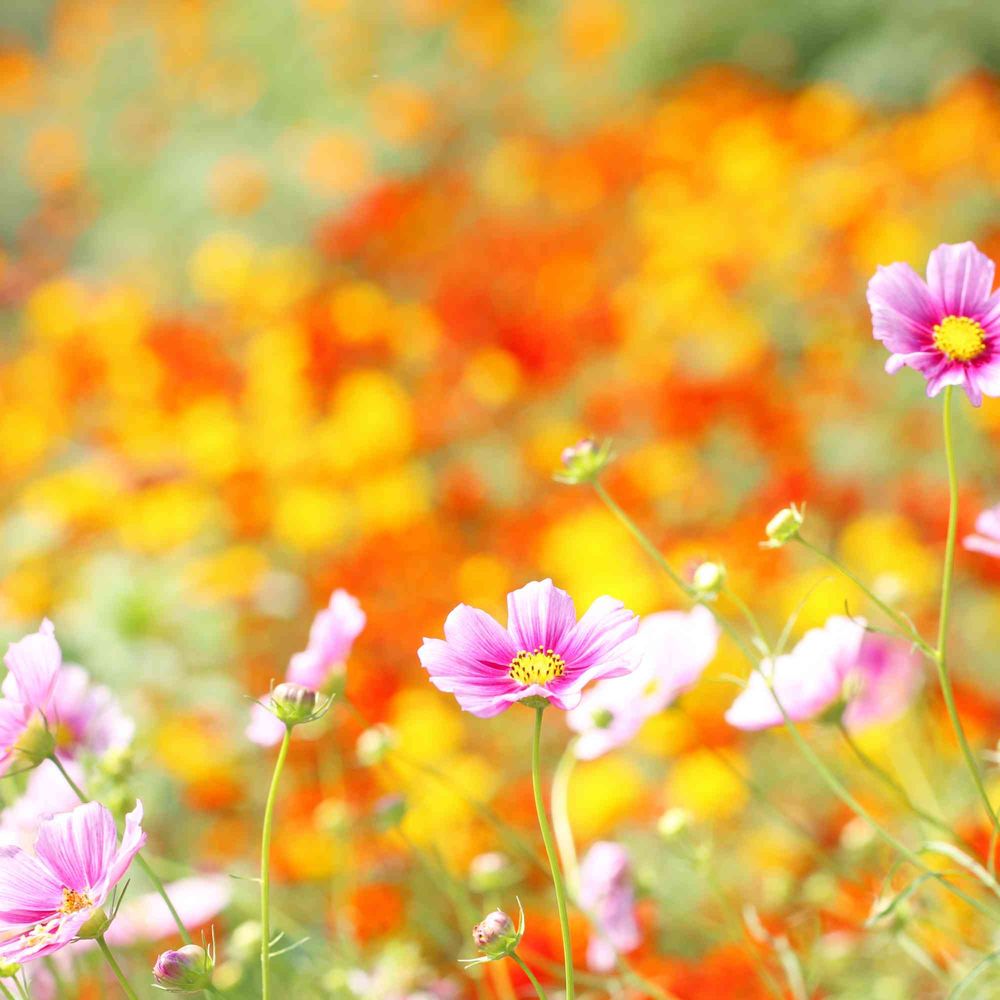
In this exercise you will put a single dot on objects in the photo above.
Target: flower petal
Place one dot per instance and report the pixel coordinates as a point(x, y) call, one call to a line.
point(540, 614)
point(34, 664)
point(265, 728)
point(29, 892)
point(903, 310)
point(133, 838)
point(960, 277)
point(79, 846)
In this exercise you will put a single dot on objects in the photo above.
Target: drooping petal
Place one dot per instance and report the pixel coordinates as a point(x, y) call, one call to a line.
point(79, 846)
point(960, 277)
point(903, 310)
point(540, 614)
point(133, 838)
point(29, 892)
point(34, 663)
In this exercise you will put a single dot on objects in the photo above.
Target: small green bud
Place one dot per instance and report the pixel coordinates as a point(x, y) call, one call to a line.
point(709, 578)
point(293, 704)
point(584, 462)
point(98, 923)
point(8, 970)
point(673, 822)
point(783, 527)
point(495, 935)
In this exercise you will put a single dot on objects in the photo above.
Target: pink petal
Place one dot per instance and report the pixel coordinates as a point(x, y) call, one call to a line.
point(903, 310)
point(29, 892)
point(265, 728)
point(79, 846)
point(540, 614)
point(960, 277)
point(34, 664)
point(133, 839)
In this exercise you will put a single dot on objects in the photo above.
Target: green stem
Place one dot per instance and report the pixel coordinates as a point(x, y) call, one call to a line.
point(550, 850)
point(6, 992)
point(139, 859)
point(116, 969)
point(560, 816)
point(531, 976)
point(945, 614)
point(895, 787)
point(654, 553)
point(265, 868)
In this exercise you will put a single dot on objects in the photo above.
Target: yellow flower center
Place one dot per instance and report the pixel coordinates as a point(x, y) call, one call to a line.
point(74, 902)
point(961, 338)
point(537, 667)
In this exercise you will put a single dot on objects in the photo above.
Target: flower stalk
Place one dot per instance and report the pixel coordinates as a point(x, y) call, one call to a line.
point(265, 867)
point(116, 969)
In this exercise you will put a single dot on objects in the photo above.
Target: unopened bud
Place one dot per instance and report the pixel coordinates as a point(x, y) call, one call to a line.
point(186, 970)
point(783, 527)
point(293, 704)
point(495, 935)
point(673, 822)
point(584, 462)
point(374, 743)
point(36, 743)
point(709, 578)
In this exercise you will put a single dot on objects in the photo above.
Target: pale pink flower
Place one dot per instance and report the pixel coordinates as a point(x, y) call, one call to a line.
point(871, 677)
point(543, 653)
point(986, 538)
point(675, 647)
point(46, 898)
point(85, 716)
point(46, 793)
point(608, 898)
point(947, 328)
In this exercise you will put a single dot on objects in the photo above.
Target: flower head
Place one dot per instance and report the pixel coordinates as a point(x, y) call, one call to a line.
point(331, 637)
point(607, 896)
point(496, 937)
point(783, 527)
point(47, 898)
point(184, 970)
point(584, 461)
point(675, 647)
point(543, 653)
point(986, 538)
point(947, 328)
point(864, 677)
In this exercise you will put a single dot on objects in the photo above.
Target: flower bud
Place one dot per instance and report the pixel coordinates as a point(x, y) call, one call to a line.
point(293, 703)
point(495, 935)
point(709, 578)
point(783, 527)
point(374, 743)
point(8, 970)
point(36, 743)
point(673, 822)
point(186, 970)
point(584, 462)
point(95, 926)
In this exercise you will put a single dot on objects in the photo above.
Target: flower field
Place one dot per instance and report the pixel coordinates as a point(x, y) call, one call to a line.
point(621, 374)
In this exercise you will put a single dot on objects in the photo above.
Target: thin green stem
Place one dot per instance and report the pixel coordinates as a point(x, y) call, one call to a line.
point(550, 850)
point(560, 816)
point(531, 976)
point(6, 992)
point(897, 789)
point(654, 553)
point(139, 859)
point(899, 620)
point(745, 610)
point(116, 969)
point(265, 868)
point(945, 614)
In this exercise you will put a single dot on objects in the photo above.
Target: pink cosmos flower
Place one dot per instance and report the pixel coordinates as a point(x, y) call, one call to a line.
point(331, 637)
point(47, 897)
point(987, 535)
point(948, 328)
point(543, 653)
point(873, 676)
point(45, 794)
point(607, 897)
point(675, 647)
point(86, 716)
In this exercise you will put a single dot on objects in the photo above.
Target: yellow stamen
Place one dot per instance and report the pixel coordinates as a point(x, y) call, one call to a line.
point(961, 338)
point(74, 902)
point(537, 667)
